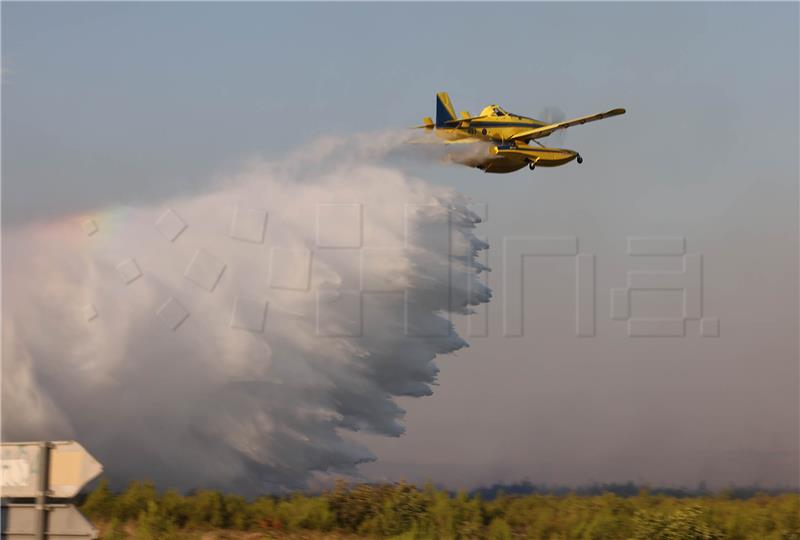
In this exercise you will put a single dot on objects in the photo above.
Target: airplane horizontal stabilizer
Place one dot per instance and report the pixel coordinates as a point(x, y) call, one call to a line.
point(456, 122)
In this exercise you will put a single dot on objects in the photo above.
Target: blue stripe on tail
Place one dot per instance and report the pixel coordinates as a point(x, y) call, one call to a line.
point(442, 113)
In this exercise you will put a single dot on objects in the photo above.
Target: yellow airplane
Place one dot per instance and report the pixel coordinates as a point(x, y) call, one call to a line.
point(508, 133)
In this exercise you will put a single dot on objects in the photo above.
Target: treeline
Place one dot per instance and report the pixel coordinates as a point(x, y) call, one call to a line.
point(404, 511)
point(627, 489)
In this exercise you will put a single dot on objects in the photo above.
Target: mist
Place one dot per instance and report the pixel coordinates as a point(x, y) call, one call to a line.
point(233, 338)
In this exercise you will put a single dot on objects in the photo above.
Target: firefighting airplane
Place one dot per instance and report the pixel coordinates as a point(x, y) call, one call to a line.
point(509, 134)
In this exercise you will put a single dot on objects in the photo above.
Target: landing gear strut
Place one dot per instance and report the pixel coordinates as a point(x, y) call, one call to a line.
point(580, 159)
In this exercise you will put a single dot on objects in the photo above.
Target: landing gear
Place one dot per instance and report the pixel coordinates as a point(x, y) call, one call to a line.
point(580, 159)
point(531, 165)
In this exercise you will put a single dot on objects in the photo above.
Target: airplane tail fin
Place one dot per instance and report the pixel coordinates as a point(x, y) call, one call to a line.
point(444, 109)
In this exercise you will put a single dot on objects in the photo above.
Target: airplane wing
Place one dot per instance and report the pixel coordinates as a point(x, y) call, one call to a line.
point(544, 131)
point(457, 121)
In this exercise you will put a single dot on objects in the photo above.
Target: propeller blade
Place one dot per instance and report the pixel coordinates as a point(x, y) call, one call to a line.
point(552, 115)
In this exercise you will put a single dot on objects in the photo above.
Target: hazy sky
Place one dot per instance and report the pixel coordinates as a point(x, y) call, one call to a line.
point(107, 104)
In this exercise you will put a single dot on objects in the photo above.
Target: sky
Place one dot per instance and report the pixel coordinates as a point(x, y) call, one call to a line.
point(138, 103)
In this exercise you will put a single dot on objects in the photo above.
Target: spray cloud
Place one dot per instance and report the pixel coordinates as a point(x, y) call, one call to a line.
point(232, 339)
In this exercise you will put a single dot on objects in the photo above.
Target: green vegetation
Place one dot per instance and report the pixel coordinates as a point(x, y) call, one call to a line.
point(402, 511)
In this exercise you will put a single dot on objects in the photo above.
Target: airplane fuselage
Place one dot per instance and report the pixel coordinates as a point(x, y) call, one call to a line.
point(508, 136)
point(497, 127)
point(501, 157)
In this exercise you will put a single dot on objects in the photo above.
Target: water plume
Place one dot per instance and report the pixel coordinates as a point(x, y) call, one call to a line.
point(233, 338)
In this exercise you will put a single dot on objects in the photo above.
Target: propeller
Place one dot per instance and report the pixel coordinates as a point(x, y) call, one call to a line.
point(552, 115)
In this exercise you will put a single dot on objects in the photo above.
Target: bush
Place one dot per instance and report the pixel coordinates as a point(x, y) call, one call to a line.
point(499, 530)
point(402, 511)
point(114, 531)
point(684, 524)
point(100, 502)
point(154, 525)
point(134, 500)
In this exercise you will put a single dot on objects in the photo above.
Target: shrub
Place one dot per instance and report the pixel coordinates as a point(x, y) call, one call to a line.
point(499, 530)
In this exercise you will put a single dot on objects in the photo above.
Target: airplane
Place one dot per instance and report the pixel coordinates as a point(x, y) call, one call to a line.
point(508, 133)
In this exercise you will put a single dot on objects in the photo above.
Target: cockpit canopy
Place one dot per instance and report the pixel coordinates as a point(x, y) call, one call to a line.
point(494, 110)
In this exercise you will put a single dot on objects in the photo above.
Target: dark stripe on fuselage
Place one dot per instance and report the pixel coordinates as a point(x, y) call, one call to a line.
point(537, 150)
point(480, 123)
point(540, 149)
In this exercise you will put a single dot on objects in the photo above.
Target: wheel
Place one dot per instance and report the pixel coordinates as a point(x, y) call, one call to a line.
point(580, 159)
point(531, 165)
